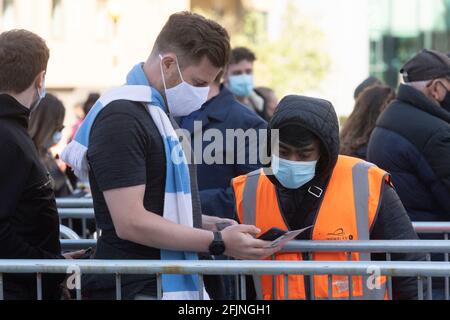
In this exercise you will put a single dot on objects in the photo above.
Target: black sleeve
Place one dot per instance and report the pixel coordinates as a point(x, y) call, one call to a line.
point(218, 202)
point(437, 154)
point(117, 150)
point(14, 172)
point(393, 223)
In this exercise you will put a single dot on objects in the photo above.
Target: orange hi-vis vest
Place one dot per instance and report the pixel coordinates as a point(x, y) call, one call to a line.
point(348, 210)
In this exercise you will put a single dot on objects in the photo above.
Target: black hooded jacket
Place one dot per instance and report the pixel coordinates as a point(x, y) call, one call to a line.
point(300, 207)
point(29, 224)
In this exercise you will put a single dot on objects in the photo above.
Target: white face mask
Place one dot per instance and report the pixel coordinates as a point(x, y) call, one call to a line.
point(184, 98)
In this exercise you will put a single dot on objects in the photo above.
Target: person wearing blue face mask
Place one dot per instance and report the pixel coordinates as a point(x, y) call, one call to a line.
point(239, 79)
point(308, 184)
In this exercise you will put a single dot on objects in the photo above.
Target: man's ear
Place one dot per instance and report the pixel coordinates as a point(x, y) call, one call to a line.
point(169, 61)
point(434, 90)
point(39, 81)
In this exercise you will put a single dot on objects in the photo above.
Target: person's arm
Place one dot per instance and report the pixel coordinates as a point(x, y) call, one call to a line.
point(134, 223)
point(117, 157)
point(393, 223)
point(13, 176)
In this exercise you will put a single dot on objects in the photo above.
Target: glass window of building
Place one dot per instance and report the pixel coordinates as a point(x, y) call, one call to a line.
point(401, 28)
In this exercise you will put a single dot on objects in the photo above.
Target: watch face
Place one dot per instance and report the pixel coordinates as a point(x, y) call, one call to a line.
point(217, 248)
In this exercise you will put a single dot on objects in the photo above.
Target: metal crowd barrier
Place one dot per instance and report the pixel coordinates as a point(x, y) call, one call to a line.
point(388, 247)
point(67, 233)
point(76, 209)
point(419, 270)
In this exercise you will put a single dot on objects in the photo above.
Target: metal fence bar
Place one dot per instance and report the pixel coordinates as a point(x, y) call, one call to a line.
point(237, 284)
point(118, 286)
point(350, 278)
point(1, 287)
point(74, 203)
point(39, 285)
point(447, 286)
point(431, 227)
point(84, 228)
point(311, 279)
point(372, 246)
point(201, 287)
point(76, 213)
point(429, 282)
point(135, 267)
point(389, 280)
point(420, 288)
point(330, 287)
point(159, 294)
point(243, 288)
point(286, 286)
point(78, 288)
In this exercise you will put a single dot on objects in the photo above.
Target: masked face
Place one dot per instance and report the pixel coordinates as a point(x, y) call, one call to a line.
point(295, 167)
point(293, 174)
point(241, 85)
point(240, 79)
point(184, 98)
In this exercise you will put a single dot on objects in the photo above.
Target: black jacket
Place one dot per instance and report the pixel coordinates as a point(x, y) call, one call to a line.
point(29, 224)
point(412, 142)
point(300, 208)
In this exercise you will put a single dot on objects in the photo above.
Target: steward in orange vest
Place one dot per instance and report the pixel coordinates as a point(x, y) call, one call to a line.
point(343, 198)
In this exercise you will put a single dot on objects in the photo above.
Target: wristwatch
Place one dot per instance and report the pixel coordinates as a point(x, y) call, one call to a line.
point(217, 247)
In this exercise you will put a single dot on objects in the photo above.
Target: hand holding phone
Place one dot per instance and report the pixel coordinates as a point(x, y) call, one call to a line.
point(280, 237)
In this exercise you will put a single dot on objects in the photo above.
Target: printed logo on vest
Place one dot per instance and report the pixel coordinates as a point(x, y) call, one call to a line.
point(339, 235)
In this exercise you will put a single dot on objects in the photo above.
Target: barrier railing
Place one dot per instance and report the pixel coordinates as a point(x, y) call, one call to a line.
point(419, 270)
point(388, 247)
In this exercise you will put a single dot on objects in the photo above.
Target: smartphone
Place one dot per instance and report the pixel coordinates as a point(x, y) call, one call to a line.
point(87, 254)
point(272, 234)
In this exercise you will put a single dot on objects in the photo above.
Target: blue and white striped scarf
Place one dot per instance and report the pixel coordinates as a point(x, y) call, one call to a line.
point(177, 198)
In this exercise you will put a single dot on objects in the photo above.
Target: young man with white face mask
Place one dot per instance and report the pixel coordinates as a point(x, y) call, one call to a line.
point(128, 161)
point(309, 184)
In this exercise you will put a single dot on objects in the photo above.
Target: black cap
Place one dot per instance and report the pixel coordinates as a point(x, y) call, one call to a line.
point(426, 65)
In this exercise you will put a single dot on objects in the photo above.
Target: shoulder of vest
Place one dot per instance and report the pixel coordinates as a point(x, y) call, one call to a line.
point(254, 173)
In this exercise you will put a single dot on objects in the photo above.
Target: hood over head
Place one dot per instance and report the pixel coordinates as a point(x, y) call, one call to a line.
point(315, 115)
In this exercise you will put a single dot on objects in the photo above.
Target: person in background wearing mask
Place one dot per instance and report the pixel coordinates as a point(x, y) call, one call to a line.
point(412, 141)
point(357, 129)
point(141, 209)
point(309, 184)
point(239, 79)
point(29, 224)
point(46, 126)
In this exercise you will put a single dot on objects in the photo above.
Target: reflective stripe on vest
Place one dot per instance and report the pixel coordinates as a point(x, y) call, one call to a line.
point(361, 192)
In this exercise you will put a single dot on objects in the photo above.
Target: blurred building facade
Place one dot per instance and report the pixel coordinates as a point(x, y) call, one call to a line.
point(95, 42)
